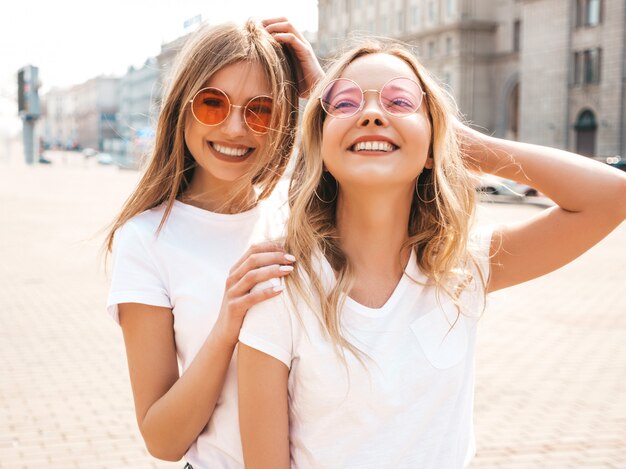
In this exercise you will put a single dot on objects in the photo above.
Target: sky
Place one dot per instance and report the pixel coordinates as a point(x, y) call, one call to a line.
point(73, 41)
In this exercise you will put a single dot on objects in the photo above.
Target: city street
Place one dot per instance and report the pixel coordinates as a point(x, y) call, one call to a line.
point(551, 368)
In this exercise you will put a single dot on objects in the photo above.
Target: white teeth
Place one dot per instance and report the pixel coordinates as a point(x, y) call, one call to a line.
point(230, 151)
point(373, 146)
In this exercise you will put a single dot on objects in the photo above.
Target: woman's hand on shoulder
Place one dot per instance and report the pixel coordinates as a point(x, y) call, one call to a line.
point(260, 263)
point(309, 70)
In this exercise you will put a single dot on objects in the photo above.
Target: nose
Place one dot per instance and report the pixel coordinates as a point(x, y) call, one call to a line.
point(235, 125)
point(372, 112)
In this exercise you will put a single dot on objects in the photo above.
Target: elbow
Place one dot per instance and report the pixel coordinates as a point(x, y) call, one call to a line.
point(164, 453)
point(159, 448)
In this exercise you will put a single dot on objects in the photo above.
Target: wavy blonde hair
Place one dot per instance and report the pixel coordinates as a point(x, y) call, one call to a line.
point(171, 165)
point(441, 212)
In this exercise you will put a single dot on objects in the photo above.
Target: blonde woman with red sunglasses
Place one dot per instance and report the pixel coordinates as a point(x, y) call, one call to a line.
point(367, 362)
point(188, 244)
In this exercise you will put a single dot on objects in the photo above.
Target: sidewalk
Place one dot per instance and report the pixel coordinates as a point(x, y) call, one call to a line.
point(551, 379)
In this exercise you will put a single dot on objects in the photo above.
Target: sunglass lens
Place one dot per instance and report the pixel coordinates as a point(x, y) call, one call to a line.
point(401, 96)
point(342, 98)
point(258, 114)
point(210, 106)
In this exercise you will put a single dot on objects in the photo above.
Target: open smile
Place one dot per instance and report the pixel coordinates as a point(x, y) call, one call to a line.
point(373, 145)
point(230, 153)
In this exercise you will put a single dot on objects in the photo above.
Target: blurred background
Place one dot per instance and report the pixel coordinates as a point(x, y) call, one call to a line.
point(550, 72)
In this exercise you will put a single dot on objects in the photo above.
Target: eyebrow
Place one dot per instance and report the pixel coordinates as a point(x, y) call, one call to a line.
point(345, 91)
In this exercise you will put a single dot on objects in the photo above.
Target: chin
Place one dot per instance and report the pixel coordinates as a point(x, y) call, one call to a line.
point(378, 177)
point(224, 174)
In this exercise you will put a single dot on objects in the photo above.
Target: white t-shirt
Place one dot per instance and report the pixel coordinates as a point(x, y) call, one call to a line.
point(185, 268)
point(411, 405)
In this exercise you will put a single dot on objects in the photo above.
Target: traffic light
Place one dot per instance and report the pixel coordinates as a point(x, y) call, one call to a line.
point(28, 92)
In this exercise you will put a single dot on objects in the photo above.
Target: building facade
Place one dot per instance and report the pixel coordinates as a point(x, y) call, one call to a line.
point(97, 107)
point(84, 115)
point(551, 72)
point(58, 123)
point(140, 98)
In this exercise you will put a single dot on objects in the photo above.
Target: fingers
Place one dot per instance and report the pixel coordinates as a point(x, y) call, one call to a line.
point(245, 302)
point(291, 39)
point(267, 246)
point(280, 19)
point(309, 71)
point(256, 261)
point(257, 276)
point(282, 25)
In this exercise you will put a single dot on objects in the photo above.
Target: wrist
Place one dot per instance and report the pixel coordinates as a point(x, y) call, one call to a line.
point(223, 338)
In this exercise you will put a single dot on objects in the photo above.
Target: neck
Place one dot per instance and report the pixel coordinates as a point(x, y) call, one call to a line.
point(373, 225)
point(219, 196)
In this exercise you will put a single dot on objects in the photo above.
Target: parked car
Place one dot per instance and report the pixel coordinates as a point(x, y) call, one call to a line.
point(105, 158)
point(490, 184)
point(89, 152)
point(617, 162)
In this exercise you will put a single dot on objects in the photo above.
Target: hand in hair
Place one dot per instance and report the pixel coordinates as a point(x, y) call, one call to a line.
point(260, 263)
point(309, 70)
point(590, 202)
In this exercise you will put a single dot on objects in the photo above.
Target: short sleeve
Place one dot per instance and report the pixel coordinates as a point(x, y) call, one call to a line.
point(268, 328)
point(135, 277)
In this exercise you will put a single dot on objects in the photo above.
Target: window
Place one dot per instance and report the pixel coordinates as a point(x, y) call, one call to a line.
point(383, 24)
point(450, 7)
point(415, 15)
point(586, 67)
point(591, 66)
point(431, 11)
point(588, 12)
point(517, 29)
point(592, 14)
point(400, 25)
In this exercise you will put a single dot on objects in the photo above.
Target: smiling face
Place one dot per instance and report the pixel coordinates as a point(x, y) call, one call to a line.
point(225, 152)
point(373, 147)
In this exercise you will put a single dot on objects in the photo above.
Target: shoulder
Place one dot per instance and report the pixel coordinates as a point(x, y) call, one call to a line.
point(147, 221)
point(142, 227)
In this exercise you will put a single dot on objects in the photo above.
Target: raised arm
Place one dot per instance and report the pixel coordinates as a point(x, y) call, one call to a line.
point(590, 198)
point(173, 410)
point(263, 409)
point(309, 70)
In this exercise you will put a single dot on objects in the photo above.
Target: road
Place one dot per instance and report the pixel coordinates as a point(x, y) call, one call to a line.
point(551, 366)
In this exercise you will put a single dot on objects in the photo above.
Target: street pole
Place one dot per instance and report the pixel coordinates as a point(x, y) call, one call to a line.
point(28, 134)
point(28, 107)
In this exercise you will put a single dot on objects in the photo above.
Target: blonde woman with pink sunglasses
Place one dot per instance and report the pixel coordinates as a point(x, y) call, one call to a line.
point(368, 361)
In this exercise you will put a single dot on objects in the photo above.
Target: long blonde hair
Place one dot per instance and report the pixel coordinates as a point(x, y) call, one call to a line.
point(171, 165)
point(441, 211)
